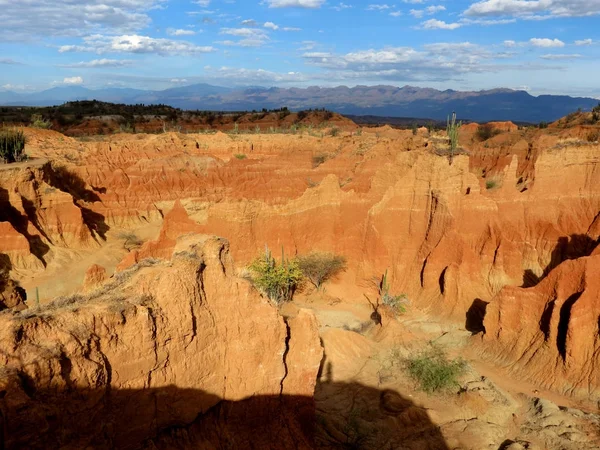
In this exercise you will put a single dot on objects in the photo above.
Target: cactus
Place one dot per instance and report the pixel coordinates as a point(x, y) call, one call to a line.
point(452, 130)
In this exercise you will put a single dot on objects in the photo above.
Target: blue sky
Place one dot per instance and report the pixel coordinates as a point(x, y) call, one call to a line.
point(543, 46)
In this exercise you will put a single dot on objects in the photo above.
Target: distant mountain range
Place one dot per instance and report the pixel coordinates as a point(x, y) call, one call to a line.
point(407, 101)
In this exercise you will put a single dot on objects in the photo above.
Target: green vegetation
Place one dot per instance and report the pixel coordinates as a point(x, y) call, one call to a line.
point(543, 125)
point(334, 131)
point(240, 156)
point(414, 129)
point(277, 280)
point(397, 303)
point(452, 130)
point(486, 131)
point(596, 114)
point(433, 371)
point(320, 267)
point(319, 159)
point(491, 184)
point(12, 145)
point(38, 122)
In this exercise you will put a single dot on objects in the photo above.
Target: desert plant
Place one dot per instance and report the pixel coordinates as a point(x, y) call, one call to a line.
point(486, 131)
point(593, 136)
point(491, 183)
point(38, 122)
point(240, 156)
point(12, 145)
point(334, 131)
point(433, 371)
point(319, 267)
point(277, 280)
point(319, 159)
point(130, 240)
point(452, 130)
point(397, 303)
point(414, 129)
point(543, 125)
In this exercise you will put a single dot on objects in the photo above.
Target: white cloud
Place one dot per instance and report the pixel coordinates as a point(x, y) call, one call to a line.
point(584, 42)
point(378, 7)
point(341, 6)
point(546, 43)
point(249, 23)
point(560, 56)
point(434, 24)
point(99, 63)
point(271, 26)
point(180, 32)
point(510, 44)
point(295, 3)
point(534, 9)
point(250, 37)
point(73, 80)
point(135, 44)
point(23, 19)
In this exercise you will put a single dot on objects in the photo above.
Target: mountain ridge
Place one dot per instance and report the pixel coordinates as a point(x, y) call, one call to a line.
point(378, 100)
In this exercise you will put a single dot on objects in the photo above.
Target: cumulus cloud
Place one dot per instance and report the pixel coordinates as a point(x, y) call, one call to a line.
point(23, 19)
point(584, 42)
point(546, 43)
point(534, 9)
point(435, 62)
point(295, 3)
point(135, 44)
point(249, 37)
point(271, 26)
point(73, 80)
point(434, 24)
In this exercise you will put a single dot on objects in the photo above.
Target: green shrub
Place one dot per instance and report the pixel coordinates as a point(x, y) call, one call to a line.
point(38, 122)
point(486, 131)
point(543, 125)
point(277, 280)
point(12, 145)
point(334, 131)
point(319, 159)
point(320, 267)
point(397, 303)
point(433, 371)
point(593, 136)
point(491, 184)
point(414, 129)
point(240, 156)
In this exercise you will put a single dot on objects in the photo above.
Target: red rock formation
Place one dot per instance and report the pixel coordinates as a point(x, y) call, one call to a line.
point(94, 276)
point(550, 333)
point(158, 344)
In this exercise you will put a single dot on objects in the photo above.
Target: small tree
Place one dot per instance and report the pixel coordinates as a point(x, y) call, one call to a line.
point(278, 281)
point(320, 267)
point(486, 131)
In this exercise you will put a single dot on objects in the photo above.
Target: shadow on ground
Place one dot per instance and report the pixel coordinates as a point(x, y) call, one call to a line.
point(340, 416)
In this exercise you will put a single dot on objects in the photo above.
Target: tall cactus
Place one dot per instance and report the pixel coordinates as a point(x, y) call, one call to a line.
point(452, 130)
